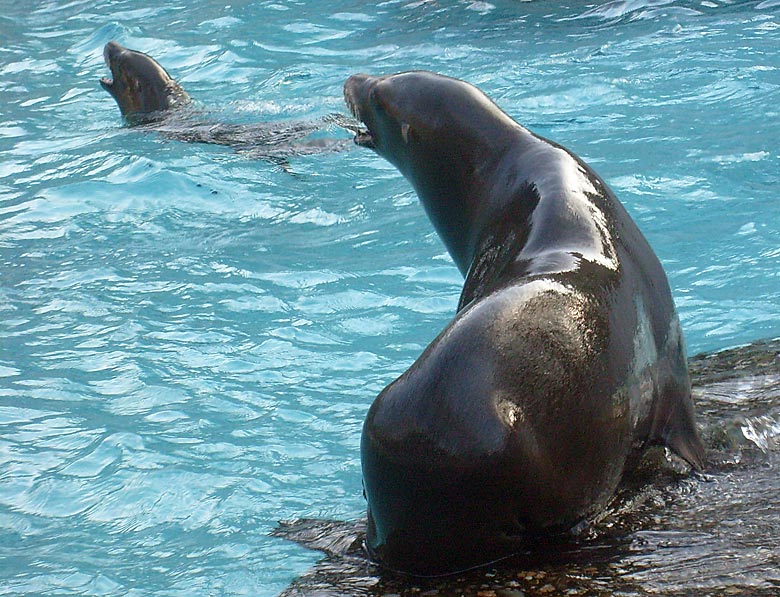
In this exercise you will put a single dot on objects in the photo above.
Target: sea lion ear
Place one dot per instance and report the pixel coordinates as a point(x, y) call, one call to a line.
point(405, 128)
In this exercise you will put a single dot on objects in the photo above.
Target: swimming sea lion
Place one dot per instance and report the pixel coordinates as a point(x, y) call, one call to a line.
point(564, 361)
point(148, 96)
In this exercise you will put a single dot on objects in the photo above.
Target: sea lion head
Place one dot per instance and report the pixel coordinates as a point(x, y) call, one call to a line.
point(419, 117)
point(140, 86)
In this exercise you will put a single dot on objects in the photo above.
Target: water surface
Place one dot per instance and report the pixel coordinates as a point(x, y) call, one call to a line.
point(190, 338)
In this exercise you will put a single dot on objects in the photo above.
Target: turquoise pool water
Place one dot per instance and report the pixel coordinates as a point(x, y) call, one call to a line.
point(190, 338)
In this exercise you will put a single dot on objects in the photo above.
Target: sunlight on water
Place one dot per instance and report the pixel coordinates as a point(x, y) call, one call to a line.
point(190, 337)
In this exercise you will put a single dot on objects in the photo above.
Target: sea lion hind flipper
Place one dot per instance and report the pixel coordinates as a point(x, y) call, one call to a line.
point(687, 446)
point(675, 428)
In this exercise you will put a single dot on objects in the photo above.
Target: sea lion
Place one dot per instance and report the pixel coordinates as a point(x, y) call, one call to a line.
point(149, 97)
point(564, 361)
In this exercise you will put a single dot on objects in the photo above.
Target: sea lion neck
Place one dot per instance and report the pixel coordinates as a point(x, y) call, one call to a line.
point(468, 192)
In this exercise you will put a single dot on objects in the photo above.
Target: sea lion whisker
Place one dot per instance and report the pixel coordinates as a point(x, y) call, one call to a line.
point(405, 128)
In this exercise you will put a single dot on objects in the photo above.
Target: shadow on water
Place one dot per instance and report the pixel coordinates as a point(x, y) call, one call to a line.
point(666, 533)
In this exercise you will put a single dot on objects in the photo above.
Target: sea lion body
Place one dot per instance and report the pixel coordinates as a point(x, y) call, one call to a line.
point(149, 98)
point(565, 358)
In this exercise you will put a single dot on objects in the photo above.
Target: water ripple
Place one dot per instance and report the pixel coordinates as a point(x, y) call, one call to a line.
point(190, 337)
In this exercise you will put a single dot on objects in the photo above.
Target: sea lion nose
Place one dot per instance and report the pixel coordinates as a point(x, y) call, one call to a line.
point(110, 50)
point(356, 87)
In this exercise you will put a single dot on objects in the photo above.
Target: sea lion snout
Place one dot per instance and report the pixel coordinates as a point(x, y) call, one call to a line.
point(357, 89)
point(110, 50)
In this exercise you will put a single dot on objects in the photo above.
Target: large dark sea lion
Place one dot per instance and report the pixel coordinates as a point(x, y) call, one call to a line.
point(565, 359)
point(149, 97)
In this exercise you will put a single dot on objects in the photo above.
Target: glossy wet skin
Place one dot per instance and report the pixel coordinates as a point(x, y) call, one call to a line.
point(140, 86)
point(565, 358)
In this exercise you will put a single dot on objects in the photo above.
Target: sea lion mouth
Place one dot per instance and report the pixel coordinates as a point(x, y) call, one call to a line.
point(364, 139)
point(109, 50)
point(363, 136)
